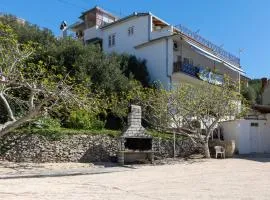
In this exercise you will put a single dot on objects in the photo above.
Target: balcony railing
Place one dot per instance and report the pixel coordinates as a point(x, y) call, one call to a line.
point(218, 50)
point(198, 72)
point(186, 68)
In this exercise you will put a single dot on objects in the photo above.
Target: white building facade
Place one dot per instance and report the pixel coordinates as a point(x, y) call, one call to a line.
point(250, 135)
point(173, 54)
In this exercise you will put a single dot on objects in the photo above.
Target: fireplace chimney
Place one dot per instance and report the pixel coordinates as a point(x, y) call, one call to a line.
point(264, 83)
point(135, 144)
point(135, 115)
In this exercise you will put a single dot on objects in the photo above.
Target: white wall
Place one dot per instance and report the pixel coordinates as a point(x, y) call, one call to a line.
point(166, 31)
point(93, 32)
point(155, 54)
point(158, 54)
point(230, 132)
point(240, 131)
point(123, 42)
point(267, 133)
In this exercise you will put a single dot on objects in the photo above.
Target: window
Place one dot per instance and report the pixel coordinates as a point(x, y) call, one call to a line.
point(130, 30)
point(175, 46)
point(254, 124)
point(111, 40)
point(186, 61)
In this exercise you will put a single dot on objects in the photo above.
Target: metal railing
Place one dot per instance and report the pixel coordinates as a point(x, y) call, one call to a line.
point(185, 68)
point(198, 72)
point(218, 50)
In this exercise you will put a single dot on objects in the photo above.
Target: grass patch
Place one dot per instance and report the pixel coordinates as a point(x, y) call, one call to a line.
point(59, 133)
point(165, 136)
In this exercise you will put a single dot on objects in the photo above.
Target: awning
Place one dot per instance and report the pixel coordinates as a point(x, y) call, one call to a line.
point(212, 56)
point(205, 54)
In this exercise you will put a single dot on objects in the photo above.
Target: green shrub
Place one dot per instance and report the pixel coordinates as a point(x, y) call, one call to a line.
point(82, 119)
point(59, 133)
point(97, 124)
point(45, 123)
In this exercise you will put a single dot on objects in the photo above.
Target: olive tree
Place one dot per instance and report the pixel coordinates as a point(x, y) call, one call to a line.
point(192, 110)
point(27, 90)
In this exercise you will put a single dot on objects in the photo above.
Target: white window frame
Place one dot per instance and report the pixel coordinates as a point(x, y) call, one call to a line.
point(111, 40)
point(130, 31)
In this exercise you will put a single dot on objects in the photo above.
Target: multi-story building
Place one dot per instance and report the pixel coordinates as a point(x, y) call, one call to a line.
point(173, 53)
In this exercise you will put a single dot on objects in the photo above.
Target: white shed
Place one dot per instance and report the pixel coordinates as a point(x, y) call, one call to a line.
point(250, 135)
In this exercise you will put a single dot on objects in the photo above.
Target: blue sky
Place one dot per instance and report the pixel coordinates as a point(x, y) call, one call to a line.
point(235, 24)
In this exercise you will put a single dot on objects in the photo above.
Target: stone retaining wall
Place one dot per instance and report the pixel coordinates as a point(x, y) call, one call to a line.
point(78, 148)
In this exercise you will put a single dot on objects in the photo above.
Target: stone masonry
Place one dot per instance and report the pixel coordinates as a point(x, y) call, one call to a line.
point(78, 148)
point(135, 129)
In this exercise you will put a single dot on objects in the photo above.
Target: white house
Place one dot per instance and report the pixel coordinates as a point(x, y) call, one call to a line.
point(173, 53)
point(251, 134)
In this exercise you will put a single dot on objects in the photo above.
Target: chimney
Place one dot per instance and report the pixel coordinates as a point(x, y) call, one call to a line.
point(135, 115)
point(264, 83)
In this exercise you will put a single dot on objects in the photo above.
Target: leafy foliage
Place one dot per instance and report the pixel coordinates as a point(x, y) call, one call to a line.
point(59, 133)
point(29, 89)
point(83, 119)
point(110, 77)
point(136, 68)
point(28, 32)
point(250, 94)
point(46, 123)
point(192, 110)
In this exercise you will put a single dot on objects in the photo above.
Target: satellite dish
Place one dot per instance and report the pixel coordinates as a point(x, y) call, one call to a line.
point(63, 25)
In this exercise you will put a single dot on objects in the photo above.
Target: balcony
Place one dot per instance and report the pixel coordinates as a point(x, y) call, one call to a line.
point(216, 49)
point(92, 33)
point(161, 32)
point(200, 73)
point(186, 68)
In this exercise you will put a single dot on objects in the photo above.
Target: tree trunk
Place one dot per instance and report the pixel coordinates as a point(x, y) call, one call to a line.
point(10, 126)
point(206, 150)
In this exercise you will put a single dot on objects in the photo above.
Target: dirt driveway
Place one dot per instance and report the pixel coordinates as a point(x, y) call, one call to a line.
point(208, 179)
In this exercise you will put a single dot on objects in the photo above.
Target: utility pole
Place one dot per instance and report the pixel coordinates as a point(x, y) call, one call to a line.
point(239, 75)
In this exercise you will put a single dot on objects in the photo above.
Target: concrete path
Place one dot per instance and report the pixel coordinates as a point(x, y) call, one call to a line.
point(206, 179)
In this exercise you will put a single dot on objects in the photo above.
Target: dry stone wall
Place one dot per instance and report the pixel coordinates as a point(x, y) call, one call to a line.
point(78, 148)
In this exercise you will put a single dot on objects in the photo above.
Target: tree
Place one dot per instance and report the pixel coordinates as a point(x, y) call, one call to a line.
point(29, 32)
point(192, 110)
point(134, 67)
point(28, 90)
point(111, 75)
point(250, 94)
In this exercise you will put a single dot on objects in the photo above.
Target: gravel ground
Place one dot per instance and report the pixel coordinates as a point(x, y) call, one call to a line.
point(195, 179)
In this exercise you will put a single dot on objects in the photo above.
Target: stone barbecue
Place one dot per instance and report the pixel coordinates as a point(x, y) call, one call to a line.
point(135, 145)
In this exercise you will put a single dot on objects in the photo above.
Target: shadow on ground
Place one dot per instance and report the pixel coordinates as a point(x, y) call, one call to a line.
point(17, 166)
point(257, 157)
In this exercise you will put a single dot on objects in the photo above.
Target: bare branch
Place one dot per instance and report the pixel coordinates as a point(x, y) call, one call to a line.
point(7, 106)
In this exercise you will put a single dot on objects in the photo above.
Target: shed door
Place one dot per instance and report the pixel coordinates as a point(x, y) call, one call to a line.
point(255, 138)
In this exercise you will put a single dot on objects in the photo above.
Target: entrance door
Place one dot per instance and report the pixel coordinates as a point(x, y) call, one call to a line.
point(255, 138)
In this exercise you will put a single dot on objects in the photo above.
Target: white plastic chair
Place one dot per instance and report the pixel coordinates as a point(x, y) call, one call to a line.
point(220, 150)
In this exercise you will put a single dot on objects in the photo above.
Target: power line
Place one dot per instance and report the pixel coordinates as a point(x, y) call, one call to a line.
point(120, 13)
point(71, 4)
